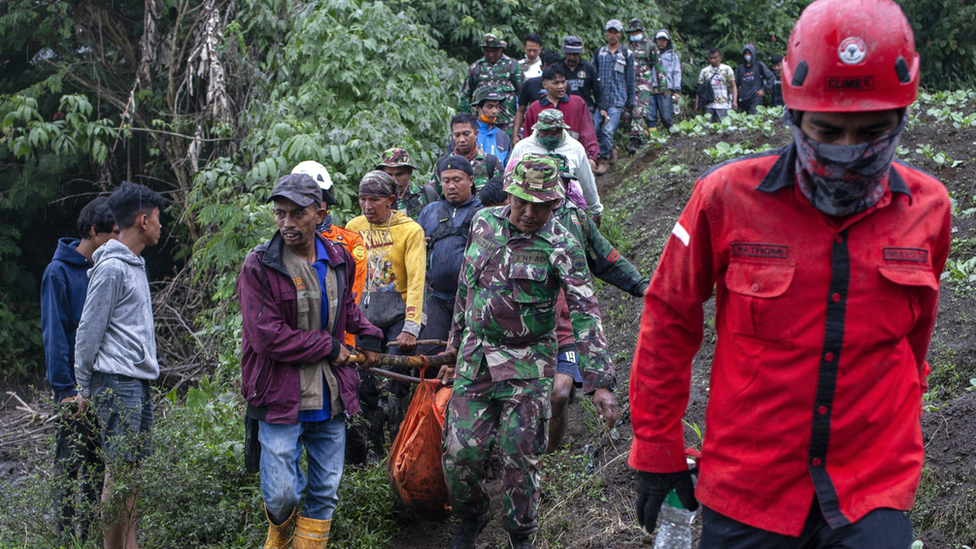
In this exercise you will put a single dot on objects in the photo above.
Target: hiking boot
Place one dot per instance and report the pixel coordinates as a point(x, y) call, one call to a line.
point(635, 145)
point(601, 166)
point(467, 532)
point(519, 541)
point(614, 154)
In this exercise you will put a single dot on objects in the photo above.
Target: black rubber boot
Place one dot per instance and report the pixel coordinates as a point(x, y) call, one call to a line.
point(467, 532)
point(635, 145)
point(519, 541)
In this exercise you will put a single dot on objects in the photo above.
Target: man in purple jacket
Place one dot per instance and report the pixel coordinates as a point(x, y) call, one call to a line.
point(297, 305)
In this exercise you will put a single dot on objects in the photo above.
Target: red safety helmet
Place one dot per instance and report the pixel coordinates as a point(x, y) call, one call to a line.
point(850, 56)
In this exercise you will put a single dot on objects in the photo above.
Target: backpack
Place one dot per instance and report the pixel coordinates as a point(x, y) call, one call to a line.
point(445, 228)
point(706, 94)
point(491, 163)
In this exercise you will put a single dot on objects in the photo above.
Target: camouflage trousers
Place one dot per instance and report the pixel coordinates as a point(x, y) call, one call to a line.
point(652, 109)
point(638, 117)
point(512, 415)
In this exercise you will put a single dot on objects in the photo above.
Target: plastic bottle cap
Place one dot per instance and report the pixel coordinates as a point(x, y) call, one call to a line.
point(673, 500)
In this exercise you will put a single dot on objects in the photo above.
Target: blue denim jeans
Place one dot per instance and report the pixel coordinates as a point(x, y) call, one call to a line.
point(604, 131)
point(660, 105)
point(125, 412)
point(282, 479)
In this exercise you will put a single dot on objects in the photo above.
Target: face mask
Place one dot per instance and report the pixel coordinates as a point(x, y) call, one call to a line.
point(747, 58)
point(487, 120)
point(550, 142)
point(637, 38)
point(841, 180)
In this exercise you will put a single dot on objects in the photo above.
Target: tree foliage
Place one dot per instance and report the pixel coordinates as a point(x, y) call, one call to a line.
point(459, 26)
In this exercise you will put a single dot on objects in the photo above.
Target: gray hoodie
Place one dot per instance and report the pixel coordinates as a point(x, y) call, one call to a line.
point(116, 334)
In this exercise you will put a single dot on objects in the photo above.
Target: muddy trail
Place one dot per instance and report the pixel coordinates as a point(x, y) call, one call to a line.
point(588, 489)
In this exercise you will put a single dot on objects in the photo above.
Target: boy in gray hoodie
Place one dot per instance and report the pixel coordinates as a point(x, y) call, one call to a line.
point(115, 348)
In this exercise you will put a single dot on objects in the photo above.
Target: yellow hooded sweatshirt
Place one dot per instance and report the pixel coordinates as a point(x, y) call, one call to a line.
point(396, 260)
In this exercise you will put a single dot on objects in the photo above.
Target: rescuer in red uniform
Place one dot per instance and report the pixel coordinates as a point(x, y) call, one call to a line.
point(825, 257)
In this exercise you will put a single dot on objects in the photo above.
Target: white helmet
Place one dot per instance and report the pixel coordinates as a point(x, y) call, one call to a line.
point(317, 171)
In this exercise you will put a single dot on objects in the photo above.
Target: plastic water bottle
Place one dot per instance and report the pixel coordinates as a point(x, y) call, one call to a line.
point(676, 108)
point(674, 530)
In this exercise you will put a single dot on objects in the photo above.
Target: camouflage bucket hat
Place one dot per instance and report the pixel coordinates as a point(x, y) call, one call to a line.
point(487, 93)
point(394, 158)
point(492, 40)
point(535, 178)
point(550, 119)
point(635, 25)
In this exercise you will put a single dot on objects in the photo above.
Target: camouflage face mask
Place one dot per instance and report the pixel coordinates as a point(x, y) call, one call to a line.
point(841, 180)
point(550, 142)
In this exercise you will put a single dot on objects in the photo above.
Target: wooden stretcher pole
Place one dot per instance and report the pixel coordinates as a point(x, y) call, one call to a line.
point(397, 361)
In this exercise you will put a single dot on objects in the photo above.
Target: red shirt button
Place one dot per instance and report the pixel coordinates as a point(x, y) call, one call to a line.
point(839, 239)
point(816, 462)
point(835, 298)
point(755, 287)
point(829, 357)
point(822, 410)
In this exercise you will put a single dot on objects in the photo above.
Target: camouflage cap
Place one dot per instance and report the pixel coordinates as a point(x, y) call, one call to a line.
point(572, 44)
point(492, 40)
point(535, 178)
point(394, 158)
point(487, 93)
point(635, 25)
point(614, 24)
point(550, 119)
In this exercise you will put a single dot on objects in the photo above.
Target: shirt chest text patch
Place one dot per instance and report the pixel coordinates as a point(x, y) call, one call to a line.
point(530, 258)
point(764, 251)
point(911, 255)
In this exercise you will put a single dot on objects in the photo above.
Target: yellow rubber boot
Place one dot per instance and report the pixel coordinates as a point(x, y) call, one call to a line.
point(278, 535)
point(311, 533)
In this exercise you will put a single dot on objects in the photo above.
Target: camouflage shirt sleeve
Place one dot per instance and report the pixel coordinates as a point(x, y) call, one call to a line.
point(570, 264)
point(467, 89)
point(608, 265)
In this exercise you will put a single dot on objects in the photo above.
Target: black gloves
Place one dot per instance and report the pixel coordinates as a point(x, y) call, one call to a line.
point(652, 488)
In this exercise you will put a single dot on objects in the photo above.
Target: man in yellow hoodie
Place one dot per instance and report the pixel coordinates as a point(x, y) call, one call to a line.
point(393, 297)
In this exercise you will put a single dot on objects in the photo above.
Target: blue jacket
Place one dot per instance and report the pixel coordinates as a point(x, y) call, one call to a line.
point(444, 255)
point(494, 141)
point(63, 290)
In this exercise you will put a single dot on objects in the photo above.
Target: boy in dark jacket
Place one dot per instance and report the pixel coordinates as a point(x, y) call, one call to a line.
point(753, 79)
point(63, 290)
point(297, 304)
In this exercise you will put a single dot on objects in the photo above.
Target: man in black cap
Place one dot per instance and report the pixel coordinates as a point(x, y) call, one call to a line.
point(446, 224)
point(297, 305)
point(581, 76)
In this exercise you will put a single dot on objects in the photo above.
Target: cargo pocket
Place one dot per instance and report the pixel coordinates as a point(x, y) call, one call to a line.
point(903, 289)
point(534, 302)
point(758, 302)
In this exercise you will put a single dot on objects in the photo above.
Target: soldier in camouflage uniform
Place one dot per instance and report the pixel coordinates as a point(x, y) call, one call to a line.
point(516, 262)
point(464, 142)
point(605, 263)
point(498, 70)
point(647, 65)
point(412, 199)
